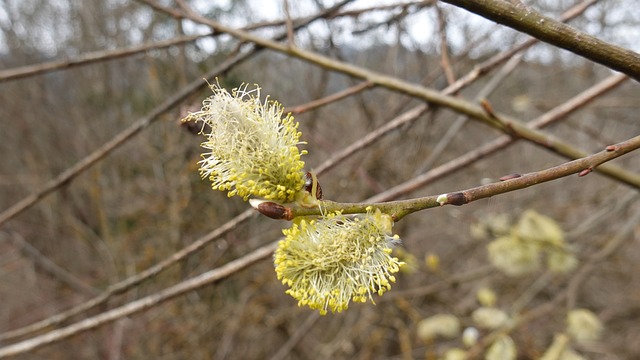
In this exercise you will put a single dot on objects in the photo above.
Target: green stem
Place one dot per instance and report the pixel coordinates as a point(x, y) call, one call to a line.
point(401, 208)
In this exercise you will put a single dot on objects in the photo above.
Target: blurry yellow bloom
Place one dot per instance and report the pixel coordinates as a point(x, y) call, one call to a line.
point(514, 256)
point(489, 318)
point(408, 259)
point(335, 259)
point(583, 325)
point(443, 325)
point(486, 297)
point(253, 149)
point(432, 261)
point(519, 252)
point(560, 350)
point(470, 336)
point(535, 227)
point(502, 349)
point(455, 354)
point(560, 260)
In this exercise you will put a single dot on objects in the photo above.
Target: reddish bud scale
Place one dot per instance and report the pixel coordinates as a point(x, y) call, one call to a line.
point(510, 176)
point(456, 199)
point(275, 211)
point(486, 106)
point(585, 172)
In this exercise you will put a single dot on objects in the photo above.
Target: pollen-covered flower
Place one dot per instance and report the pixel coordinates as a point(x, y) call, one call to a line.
point(583, 325)
point(253, 149)
point(514, 256)
point(502, 348)
point(439, 325)
point(489, 318)
point(335, 259)
point(560, 349)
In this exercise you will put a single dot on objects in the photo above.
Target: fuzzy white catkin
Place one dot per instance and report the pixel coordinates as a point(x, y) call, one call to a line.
point(502, 349)
point(489, 318)
point(560, 350)
point(455, 354)
point(486, 297)
point(443, 325)
point(583, 325)
point(514, 256)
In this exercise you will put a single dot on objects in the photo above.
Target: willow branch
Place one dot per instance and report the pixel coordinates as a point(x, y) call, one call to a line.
point(497, 59)
point(48, 266)
point(141, 304)
point(92, 57)
point(502, 142)
point(503, 123)
point(527, 20)
point(479, 70)
point(352, 90)
point(128, 283)
point(401, 208)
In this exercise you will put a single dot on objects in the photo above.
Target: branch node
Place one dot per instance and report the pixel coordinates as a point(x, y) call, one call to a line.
point(585, 171)
point(456, 199)
point(509, 177)
point(486, 106)
point(612, 148)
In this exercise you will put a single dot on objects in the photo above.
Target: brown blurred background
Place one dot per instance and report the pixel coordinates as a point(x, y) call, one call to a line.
point(145, 201)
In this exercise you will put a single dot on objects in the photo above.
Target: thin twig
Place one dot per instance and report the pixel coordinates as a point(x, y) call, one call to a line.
point(97, 155)
point(129, 282)
point(49, 266)
point(547, 118)
point(527, 20)
point(497, 59)
point(452, 131)
point(73, 171)
point(141, 304)
point(301, 331)
point(444, 47)
point(501, 122)
point(412, 114)
point(92, 57)
point(329, 99)
point(401, 208)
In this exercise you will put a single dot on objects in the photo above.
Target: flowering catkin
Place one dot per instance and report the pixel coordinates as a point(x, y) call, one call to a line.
point(253, 149)
point(330, 261)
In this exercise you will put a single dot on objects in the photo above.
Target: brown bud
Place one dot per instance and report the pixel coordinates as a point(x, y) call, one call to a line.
point(274, 210)
point(456, 199)
point(612, 148)
point(585, 172)
point(486, 106)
